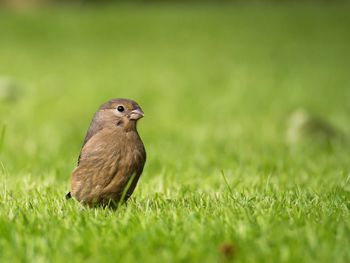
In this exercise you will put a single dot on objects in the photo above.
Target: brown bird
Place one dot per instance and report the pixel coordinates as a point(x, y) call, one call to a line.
point(112, 157)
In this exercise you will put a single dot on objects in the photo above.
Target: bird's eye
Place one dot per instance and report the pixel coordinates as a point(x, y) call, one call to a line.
point(120, 108)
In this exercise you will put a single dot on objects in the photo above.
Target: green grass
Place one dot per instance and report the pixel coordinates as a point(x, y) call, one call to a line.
point(217, 85)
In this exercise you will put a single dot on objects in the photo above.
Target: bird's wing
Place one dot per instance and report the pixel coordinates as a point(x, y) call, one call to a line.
point(98, 151)
point(94, 128)
point(85, 141)
point(98, 164)
point(90, 133)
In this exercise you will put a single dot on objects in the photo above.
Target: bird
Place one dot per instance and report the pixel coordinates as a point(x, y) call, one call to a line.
point(112, 157)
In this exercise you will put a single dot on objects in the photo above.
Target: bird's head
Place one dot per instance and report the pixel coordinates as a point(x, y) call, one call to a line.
point(120, 112)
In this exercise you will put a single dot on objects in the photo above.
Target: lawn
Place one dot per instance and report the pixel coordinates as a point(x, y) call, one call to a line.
point(217, 85)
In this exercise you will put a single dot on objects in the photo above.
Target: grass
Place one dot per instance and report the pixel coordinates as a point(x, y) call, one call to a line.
point(217, 84)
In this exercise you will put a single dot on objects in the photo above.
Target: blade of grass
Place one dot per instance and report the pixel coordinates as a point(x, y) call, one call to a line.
point(3, 172)
point(2, 136)
point(226, 182)
point(121, 201)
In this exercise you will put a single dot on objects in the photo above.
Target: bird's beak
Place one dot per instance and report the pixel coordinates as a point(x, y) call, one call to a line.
point(136, 114)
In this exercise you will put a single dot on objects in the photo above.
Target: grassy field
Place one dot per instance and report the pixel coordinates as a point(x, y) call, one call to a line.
point(217, 85)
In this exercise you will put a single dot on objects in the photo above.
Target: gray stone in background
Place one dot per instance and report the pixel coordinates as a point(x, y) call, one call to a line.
point(304, 127)
point(10, 90)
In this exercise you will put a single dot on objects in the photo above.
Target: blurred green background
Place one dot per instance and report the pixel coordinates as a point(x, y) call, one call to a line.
point(218, 84)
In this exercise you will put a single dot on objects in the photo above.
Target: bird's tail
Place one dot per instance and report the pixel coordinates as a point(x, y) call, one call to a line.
point(68, 196)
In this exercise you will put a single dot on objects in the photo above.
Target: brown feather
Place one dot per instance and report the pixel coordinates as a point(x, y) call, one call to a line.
point(112, 154)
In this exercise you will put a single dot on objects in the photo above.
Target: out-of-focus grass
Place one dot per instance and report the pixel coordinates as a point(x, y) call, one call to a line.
point(217, 85)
